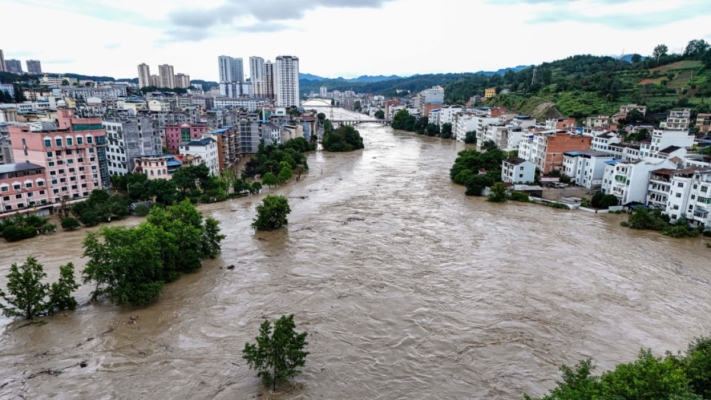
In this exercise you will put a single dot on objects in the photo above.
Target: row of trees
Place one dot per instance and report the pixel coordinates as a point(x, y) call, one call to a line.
point(130, 266)
point(406, 122)
point(675, 376)
point(272, 159)
point(644, 218)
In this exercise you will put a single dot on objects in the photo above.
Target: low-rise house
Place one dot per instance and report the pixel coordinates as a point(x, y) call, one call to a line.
point(678, 119)
point(703, 123)
point(206, 148)
point(659, 188)
point(517, 170)
point(156, 166)
point(545, 148)
point(601, 140)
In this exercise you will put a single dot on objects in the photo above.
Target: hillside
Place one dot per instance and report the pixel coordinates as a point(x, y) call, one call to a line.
point(585, 85)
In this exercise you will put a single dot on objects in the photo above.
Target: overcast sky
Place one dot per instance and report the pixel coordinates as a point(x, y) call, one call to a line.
point(339, 37)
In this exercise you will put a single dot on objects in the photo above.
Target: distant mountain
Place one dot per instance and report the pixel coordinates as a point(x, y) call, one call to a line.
point(360, 79)
point(310, 77)
point(503, 70)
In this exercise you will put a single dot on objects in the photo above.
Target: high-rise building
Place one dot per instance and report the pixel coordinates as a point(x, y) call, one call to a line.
point(144, 76)
point(167, 76)
point(182, 81)
point(128, 138)
point(155, 81)
point(3, 68)
point(256, 75)
point(269, 80)
point(14, 66)
point(231, 72)
point(323, 91)
point(287, 81)
point(34, 67)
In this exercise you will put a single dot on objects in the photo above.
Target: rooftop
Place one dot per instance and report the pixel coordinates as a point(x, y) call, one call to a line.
point(670, 149)
point(18, 167)
point(515, 160)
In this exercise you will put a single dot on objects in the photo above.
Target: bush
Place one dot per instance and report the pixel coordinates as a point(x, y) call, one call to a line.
point(519, 196)
point(14, 233)
point(49, 228)
point(603, 201)
point(69, 224)
point(498, 193)
point(142, 210)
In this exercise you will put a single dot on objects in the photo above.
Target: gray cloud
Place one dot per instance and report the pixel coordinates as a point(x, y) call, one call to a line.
point(268, 14)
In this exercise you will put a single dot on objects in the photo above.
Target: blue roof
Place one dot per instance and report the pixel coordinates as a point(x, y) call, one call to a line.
point(572, 153)
point(173, 163)
point(612, 162)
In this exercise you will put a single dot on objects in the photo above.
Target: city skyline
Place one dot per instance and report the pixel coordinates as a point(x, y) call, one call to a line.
point(523, 33)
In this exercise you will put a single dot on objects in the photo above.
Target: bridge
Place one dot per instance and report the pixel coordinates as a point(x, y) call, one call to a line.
point(353, 122)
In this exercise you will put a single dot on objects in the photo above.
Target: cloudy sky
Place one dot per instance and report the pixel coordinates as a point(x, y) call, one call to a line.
point(339, 37)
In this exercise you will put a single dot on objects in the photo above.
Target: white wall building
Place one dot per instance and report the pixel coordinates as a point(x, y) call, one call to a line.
point(287, 81)
point(629, 180)
point(447, 113)
point(517, 170)
point(603, 139)
point(695, 203)
point(205, 148)
point(586, 168)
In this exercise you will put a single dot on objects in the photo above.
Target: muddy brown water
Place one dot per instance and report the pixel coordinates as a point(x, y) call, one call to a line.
point(408, 289)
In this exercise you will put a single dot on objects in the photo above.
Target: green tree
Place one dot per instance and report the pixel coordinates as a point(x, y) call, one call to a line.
point(357, 106)
point(126, 264)
point(269, 179)
point(488, 145)
point(142, 210)
point(321, 116)
point(284, 174)
point(380, 114)
point(498, 193)
point(211, 238)
point(272, 213)
point(278, 354)
point(660, 51)
point(162, 190)
point(255, 188)
point(65, 82)
point(69, 224)
point(432, 130)
point(697, 365)
point(470, 137)
point(446, 130)
point(26, 292)
point(60, 292)
point(648, 378)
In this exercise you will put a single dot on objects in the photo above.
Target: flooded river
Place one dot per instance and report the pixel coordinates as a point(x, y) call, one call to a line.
point(408, 289)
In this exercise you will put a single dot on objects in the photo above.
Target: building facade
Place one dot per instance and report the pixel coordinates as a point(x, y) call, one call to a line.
point(14, 66)
point(269, 80)
point(287, 81)
point(206, 148)
point(144, 75)
point(34, 67)
point(23, 187)
point(128, 138)
point(167, 76)
point(175, 134)
point(517, 171)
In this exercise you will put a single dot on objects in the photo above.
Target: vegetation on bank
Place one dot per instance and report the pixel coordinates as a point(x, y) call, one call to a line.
point(477, 170)
point(680, 376)
point(273, 161)
point(278, 353)
point(406, 122)
point(28, 297)
point(130, 266)
point(655, 220)
point(24, 226)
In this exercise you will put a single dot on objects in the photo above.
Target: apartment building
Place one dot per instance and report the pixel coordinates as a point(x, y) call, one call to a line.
point(23, 187)
point(678, 119)
point(205, 148)
point(690, 195)
point(659, 188)
point(517, 171)
point(127, 138)
point(629, 180)
point(228, 146)
point(586, 168)
point(175, 134)
point(156, 166)
point(72, 151)
point(546, 148)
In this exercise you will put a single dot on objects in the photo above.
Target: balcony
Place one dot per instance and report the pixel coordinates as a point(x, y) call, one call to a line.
point(621, 178)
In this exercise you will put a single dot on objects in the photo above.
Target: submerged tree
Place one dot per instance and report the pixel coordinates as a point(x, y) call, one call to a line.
point(271, 214)
point(278, 353)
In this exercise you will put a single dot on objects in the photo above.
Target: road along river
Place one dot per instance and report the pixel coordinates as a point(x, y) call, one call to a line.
point(408, 289)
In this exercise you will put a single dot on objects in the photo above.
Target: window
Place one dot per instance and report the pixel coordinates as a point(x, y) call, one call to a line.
point(70, 142)
point(80, 140)
point(18, 196)
point(28, 185)
point(71, 169)
point(58, 141)
point(678, 195)
point(17, 186)
point(51, 163)
point(88, 139)
point(41, 192)
point(56, 191)
point(68, 151)
point(91, 150)
point(59, 152)
point(6, 198)
point(54, 181)
point(47, 142)
point(680, 184)
point(49, 153)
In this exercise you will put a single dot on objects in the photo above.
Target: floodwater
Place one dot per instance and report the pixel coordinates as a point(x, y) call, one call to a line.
point(408, 289)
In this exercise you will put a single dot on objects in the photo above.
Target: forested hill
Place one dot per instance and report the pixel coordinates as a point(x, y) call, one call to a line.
point(586, 85)
point(391, 87)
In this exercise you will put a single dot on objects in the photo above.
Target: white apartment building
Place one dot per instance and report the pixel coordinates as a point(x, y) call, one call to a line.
point(659, 188)
point(434, 95)
point(144, 75)
point(463, 122)
point(690, 196)
point(287, 81)
point(662, 139)
point(447, 113)
point(205, 148)
point(624, 151)
point(679, 119)
point(629, 180)
point(434, 117)
point(256, 76)
point(602, 140)
point(517, 171)
point(249, 104)
point(586, 168)
point(600, 121)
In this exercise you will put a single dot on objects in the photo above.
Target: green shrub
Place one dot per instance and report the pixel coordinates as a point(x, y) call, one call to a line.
point(142, 210)
point(69, 224)
point(14, 233)
point(519, 196)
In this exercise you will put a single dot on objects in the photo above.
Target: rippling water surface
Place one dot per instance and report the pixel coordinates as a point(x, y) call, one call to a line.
point(408, 289)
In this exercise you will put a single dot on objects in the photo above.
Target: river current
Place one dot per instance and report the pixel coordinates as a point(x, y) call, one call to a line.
point(408, 290)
